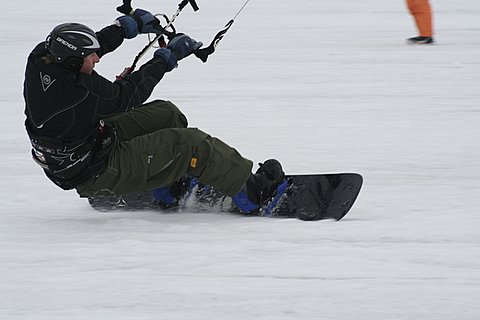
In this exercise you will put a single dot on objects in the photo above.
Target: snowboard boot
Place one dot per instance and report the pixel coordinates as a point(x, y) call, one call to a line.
point(169, 196)
point(261, 187)
point(420, 40)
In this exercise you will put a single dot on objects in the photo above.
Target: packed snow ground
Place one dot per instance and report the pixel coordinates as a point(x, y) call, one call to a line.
point(323, 86)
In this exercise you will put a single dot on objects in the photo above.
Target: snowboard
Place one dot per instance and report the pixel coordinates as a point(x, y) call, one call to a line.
point(305, 197)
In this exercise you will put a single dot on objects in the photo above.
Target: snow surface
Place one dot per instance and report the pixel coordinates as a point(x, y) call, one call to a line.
point(323, 86)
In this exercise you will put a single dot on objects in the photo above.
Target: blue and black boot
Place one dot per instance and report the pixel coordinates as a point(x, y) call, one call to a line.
point(262, 189)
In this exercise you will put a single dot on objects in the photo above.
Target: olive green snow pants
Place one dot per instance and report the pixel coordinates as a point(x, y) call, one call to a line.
point(154, 148)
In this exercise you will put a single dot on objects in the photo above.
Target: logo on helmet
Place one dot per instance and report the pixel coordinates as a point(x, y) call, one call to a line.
point(67, 44)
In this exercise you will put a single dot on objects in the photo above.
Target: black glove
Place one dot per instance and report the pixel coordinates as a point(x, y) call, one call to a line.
point(141, 21)
point(182, 45)
point(147, 22)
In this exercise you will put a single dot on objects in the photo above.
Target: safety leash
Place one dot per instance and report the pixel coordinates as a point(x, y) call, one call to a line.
point(203, 53)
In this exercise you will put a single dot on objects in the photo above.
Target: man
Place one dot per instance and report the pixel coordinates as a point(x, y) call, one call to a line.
point(99, 137)
point(422, 13)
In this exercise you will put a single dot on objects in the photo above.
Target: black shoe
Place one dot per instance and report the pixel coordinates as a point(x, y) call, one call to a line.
point(260, 188)
point(420, 40)
point(262, 185)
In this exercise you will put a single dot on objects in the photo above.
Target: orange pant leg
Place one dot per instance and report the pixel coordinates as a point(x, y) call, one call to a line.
point(421, 11)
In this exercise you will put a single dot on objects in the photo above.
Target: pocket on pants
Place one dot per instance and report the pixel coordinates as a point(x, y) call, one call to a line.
point(105, 184)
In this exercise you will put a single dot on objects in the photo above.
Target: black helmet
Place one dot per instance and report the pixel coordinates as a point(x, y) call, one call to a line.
point(71, 40)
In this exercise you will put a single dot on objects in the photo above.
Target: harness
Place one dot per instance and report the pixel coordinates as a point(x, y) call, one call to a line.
point(69, 164)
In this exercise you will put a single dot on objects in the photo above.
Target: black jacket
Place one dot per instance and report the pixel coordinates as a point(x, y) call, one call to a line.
point(64, 108)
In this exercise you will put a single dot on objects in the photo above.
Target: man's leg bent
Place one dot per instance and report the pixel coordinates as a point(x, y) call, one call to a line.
point(164, 156)
point(192, 151)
